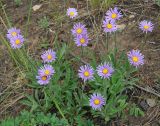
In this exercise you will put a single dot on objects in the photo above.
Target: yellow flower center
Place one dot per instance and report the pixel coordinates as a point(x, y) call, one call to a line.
point(79, 31)
point(146, 27)
point(82, 40)
point(49, 57)
point(44, 78)
point(105, 71)
point(47, 72)
point(114, 15)
point(135, 59)
point(86, 73)
point(17, 42)
point(14, 34)
point(71, 13)
point(96, 101)
point(109, 26)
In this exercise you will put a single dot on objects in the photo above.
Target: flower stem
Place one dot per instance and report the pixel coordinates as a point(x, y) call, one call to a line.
point(82, 52)
point(29, 60)
point(145, 41)
point(115, 47)
point(57, 106)
point(107, 40)
point(115, 41)
point(145, 38)
point(23, 59)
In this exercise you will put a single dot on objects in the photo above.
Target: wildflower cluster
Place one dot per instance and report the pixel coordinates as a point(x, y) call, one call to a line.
point(47, 71)
point(80, 34)
point(15, 38)
point(109, 24)
point(105, 72)
point(79, 30)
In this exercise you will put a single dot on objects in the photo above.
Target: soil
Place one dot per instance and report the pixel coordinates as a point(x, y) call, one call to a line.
point(129, 38)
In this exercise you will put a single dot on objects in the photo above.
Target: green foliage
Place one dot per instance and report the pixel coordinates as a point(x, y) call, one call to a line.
point(82, 122)
point(113, 89)
point(28, 119)
point(135, 111)
point(43, 23)
point(157, 2)
point(64, 93)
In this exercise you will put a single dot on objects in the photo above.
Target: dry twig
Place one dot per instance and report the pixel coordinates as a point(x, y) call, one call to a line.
point(148, 89)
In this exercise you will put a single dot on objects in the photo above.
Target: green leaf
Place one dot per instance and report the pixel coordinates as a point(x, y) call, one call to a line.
point(62, 51)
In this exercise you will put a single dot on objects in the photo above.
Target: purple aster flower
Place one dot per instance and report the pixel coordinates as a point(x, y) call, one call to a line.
point(135, 58)
point(82, 40)
point(43, 80)
point(146, 26)
point(12, 32)
point(72, 12)
point(17, 41)
point(46, 70)
point(97, 101)
point(105, 70)
point(79, 29)
point(113, 14)
point(48, 56)
point(109, 26)
point(86, 72)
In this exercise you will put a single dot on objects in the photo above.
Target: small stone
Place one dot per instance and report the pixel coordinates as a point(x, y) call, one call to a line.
point(144, 105)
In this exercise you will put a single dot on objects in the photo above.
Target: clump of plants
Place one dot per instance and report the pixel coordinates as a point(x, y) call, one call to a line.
point(77, 96)
point(29, 119)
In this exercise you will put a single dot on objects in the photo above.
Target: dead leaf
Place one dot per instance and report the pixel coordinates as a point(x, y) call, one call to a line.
point(36, 7)
point(151, 102)
point(131, 16)
point(121, 27)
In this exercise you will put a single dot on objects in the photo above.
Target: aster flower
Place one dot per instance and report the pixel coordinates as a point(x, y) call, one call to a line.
point(72, 12)
point(79, 29)
point(109, 26)
point(136, 58)
point(17, 41)
point(86, 72)
point(49, 56)
point(105, 70)
point(46, 70)
point(43, 80)
point(13, 32)
point(82, 40)
point(97, 101)
point(146, 26)
point(113, 14)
